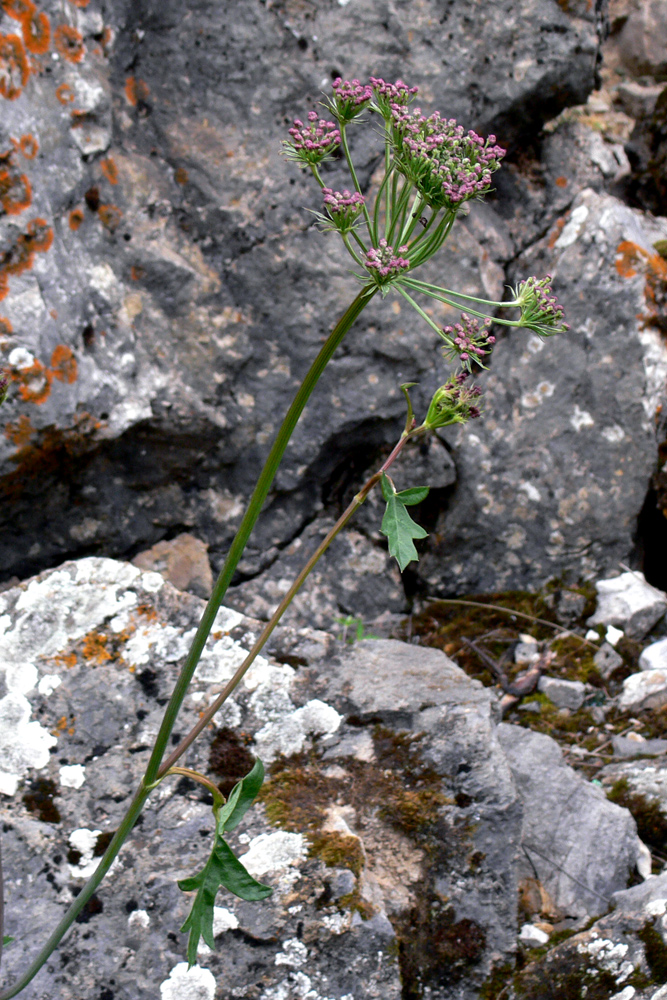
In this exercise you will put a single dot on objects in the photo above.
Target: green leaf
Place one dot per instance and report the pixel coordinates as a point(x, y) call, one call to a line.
point(242, 797)
point(7, 940)
point(414, 495)
point(223, 869)
point(397, 524)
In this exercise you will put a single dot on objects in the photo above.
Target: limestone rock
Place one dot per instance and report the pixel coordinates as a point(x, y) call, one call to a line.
point(551, 479)
point(629, 602)
point(568, 827)
point(646, 689)
point(607, 660)
point(564, 694)
point(654, 656)
point(182, 561)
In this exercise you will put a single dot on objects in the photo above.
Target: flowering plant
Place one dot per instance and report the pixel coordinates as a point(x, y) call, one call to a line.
point(432, 168)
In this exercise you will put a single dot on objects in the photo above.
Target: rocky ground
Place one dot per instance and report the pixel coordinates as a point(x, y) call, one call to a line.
point(467, 789)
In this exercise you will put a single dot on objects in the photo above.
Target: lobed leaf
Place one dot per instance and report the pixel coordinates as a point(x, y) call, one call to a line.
point(397, 524)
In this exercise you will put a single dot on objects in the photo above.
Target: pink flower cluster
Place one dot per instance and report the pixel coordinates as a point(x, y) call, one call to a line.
point(469, 341)
point(350, 98)
point(384, 263)
point(453, 402)
point(447, 164)
point(311, 143)
point(387, 94)
point(541, 311)
point(343, 207)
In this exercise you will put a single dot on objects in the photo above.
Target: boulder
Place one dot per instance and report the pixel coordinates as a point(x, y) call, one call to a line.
point(630, 602)
point(563, 694)
point(579, 845)
point(155, 342)
point(646, 689)
point(388, 827)
point(551, 480)
point(654, 656)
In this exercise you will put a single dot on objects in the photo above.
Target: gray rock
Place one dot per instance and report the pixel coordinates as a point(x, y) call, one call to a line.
point(630, 603)
point(642, 41)
point(410, 815)
point(564, 694)
point(625, 747)
point(182, 325)
point(646, 689)
point(637, 897)
point(568, 828)
point(183, 561)
point(576, 410)
point(654, 656)
point(636, 100)
point(607, 660)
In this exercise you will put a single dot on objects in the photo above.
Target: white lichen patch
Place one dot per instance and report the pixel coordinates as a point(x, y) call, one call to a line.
point(138, 919)
point(337, 923)
point(23, 744)
point(274, 852)
point(188, 984)
point(84, 841)
point(608, 956)
point(72, 775)
point(294, 954)
point(535, 397)
point(288, 733)
point(531, 491)
point(581, 419)
point(48, 683)
point(573, 229)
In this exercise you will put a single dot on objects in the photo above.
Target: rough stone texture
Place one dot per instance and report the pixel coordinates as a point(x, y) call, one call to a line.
point(630, 603)
point(654, 656)
point(393, 858)
point(642, 41)
point(183, 561)
point(607, 660)
point(581, 846)
point(564, 694)
point(646, 689)
point(157, 348)
point(647, 152)
point(551, 479)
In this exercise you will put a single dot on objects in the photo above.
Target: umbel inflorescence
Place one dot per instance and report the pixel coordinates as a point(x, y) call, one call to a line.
point(433, 167)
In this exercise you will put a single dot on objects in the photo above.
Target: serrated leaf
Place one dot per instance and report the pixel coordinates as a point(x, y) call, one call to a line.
point(398, 526)
point(223, 869)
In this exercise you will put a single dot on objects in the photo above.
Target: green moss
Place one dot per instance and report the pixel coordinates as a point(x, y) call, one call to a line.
point(564, 975)
point(651, 820)
point(496, 983)
point(434, 948)
point(655, 951)
point(338, 850)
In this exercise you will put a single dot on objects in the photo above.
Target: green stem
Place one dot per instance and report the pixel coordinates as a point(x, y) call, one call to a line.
point(355, 181)
point(86, 893)
point(398, 209)
point(154, 773)
point(201, 779)
point(414, 216)
point(472, 298)
point(252, 513)
point(435, 241)
point(264, 635)
point(417, 308)
point(455, 305)
point(346, 240)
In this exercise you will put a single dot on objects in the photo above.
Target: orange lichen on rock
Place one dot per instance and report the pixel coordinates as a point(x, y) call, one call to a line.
point(110, 216)
point(95, 648)
point(20, 431)
point(136, 91)
point(35, 382)
point(80, 3)
point(555, 232)
point(15, 191)
point(14, 69)
point(109, 169)
point(632, 259)
point(76, 218)
point(137, 273)
point(19, 257)
point(64, 93)
point(67, 660)
point(6, 328)
point(69, 43)
point(29, 146)
point(36, 29)
point(561, 182)
point(181, 175)
point(40, 235)
point(63, 364)
point(18, 9)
